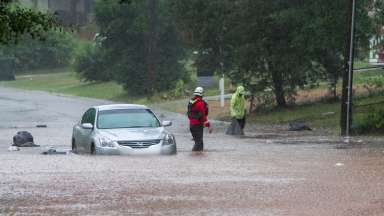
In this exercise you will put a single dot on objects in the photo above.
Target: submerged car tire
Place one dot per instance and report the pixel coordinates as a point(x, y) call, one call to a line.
point(74, 147)
point(93, 149)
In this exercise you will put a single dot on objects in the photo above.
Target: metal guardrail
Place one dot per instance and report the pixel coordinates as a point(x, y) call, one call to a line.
point(369, 68)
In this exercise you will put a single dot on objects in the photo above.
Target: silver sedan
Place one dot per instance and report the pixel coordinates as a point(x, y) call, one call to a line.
point(122, 129)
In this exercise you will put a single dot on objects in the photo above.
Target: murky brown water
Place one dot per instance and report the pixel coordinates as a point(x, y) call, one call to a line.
point(269, 172)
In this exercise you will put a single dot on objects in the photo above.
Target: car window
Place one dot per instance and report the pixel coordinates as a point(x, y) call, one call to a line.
point(84, 118)
point(89, 116)
point(127, 118)
point(92, 116)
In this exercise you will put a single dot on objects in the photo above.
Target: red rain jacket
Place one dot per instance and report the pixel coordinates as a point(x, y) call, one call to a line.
point(198, 112)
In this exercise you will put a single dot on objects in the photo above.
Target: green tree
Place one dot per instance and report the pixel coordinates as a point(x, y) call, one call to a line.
point(278, 45)
point(91, 64)
point(254, 39)
point(16, 21)
point(54, 51)
point(141, 45)
point(325, 33)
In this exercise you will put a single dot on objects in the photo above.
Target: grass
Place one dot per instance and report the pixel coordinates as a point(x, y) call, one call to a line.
point(69, 83)
point(361, 64)
point(65, 81)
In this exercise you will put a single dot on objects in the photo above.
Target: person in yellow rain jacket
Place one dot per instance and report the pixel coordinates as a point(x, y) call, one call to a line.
point(237, 108)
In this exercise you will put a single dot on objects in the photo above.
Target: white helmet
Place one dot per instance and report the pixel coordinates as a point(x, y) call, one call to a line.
point(198, 91)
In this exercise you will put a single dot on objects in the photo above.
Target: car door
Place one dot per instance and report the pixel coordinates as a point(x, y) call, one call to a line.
point(88, 133)
point(83, 135)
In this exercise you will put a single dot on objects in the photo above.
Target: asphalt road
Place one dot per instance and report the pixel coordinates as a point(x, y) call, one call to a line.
point(268, 172)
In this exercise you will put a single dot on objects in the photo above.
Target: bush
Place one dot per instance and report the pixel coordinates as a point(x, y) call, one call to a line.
point(55, 51)
point(90, 64)
point(373, 122)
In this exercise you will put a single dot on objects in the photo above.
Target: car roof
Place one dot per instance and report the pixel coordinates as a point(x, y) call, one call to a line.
point(120, 106)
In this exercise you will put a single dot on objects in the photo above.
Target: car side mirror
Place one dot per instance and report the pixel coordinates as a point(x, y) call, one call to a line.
point(87, 126)
point(166, 123)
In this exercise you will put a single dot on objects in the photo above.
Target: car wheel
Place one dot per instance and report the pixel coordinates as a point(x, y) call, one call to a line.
point(93, 149)
point(74, 147)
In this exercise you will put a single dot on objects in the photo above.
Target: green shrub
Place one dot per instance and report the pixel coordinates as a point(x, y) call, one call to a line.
point(55, 51)
point(373, 122)
point(90, 64)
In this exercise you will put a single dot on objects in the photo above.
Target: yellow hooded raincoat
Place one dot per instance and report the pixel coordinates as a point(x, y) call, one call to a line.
point(238, 103)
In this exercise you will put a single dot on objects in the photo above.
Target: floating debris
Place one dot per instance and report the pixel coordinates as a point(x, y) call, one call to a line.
point(13, 148)
point(298, 126)
point(52, 151)
point(339, 164)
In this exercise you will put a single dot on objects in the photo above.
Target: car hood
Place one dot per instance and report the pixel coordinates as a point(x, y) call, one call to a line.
point(133, 133)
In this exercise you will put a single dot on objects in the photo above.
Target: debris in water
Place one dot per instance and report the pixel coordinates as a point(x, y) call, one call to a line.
point(13, 148)
point(298, 126)
point(53, 151)
point(346, 139)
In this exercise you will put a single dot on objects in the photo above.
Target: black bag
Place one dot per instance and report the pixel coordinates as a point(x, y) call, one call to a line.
point(234, 128)
point(23, 139)
point(298, 126)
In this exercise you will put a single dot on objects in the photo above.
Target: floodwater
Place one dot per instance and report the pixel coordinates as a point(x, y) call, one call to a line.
point(268, 172)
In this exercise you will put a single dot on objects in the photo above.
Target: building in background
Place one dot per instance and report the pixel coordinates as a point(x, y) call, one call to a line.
point(376, 49)
point(75, 14)
point(69, 12)
point(376, 46)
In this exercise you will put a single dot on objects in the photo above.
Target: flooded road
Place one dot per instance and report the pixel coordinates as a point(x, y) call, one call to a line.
point(269, 172)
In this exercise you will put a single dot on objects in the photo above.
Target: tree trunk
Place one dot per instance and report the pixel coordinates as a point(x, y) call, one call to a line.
point(151, 44)
point(251, 101)
point(73, 5)
point(333, 87)
point(334, 91)
point(278, 85)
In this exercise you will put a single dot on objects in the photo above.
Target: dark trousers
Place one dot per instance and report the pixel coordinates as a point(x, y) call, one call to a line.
point(197, 132)
point(241, 122)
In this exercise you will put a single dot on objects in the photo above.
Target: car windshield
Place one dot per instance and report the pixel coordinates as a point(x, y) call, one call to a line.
point(126, 118)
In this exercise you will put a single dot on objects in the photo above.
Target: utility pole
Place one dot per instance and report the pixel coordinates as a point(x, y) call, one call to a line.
point(346, 98)
point(152, 43)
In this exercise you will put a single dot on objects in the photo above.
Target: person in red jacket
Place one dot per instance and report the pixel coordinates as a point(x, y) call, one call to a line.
point(198, 118)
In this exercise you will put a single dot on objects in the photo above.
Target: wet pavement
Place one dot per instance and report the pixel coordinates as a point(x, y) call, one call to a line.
point(271, 171)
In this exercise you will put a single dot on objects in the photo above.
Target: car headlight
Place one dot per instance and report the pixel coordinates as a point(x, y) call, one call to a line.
point(169, 139)
point(105, 142)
